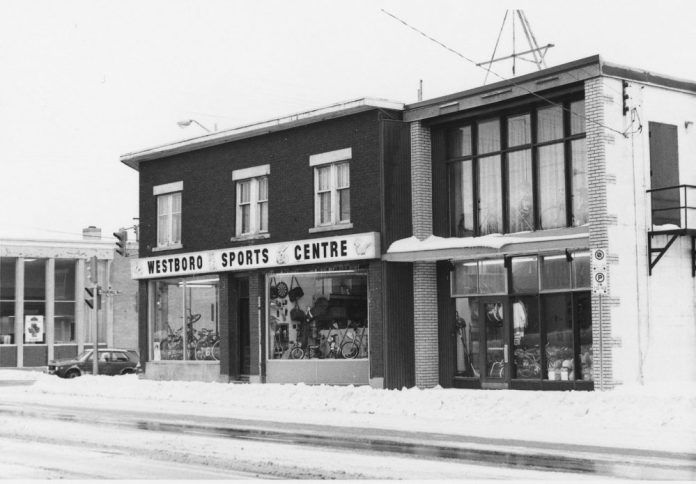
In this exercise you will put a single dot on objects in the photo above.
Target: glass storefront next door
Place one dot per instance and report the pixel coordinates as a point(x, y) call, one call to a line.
point(526, 324)
point(482, 343)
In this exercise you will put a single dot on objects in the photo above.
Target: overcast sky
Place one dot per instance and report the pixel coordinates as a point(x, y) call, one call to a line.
point(84, 82)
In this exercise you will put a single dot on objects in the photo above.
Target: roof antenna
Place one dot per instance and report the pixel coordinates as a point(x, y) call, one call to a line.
point(537, 52)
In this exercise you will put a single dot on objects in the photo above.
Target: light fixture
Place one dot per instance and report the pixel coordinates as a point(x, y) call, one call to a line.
point(187, 122)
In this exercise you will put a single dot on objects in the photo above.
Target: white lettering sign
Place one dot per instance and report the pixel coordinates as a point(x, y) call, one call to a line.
point(312, 251)
point(598, 266)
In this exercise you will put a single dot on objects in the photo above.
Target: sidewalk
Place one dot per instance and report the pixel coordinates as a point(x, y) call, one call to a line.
point(634, 422)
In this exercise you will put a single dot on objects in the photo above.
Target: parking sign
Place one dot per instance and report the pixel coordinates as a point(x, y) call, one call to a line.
point(598, 263)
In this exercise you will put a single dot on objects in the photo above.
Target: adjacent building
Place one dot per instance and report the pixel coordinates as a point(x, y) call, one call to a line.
point(43, 310)
point(553, 243)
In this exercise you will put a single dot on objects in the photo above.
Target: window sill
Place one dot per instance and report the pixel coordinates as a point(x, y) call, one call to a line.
point(167, 247)
point(329, 228)
point(242, 238)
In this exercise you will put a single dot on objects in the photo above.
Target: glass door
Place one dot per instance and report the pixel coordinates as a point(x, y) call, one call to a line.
point(495, 318)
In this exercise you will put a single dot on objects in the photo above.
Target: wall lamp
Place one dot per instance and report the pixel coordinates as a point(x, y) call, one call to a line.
point(187, 122)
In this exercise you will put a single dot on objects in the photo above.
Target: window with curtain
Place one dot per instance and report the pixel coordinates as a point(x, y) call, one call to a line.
point(541, 155)
point(332, 189)
point(252, 206)
point(169, 219)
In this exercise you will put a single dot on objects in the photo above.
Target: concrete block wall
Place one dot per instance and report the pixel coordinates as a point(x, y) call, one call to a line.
point(425, 311)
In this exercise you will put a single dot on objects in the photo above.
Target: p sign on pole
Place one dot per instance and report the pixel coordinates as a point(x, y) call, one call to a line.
point(599, 272)
point(600, 286)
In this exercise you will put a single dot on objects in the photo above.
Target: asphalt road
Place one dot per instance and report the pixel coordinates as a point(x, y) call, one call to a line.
point(477, 457)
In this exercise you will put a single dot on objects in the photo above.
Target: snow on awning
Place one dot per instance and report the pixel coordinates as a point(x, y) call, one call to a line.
point(435, 248)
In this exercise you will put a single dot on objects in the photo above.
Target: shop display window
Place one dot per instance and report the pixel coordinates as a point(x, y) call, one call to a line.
point(185, 325)
point(318, 315)
point(557, 313)
point(468, 334)
point(526, 337)
point(548, 312)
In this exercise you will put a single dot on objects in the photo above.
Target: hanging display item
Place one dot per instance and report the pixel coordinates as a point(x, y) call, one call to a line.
point(328, 322)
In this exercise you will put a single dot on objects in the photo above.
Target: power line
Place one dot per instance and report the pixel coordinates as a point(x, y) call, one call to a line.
point(459, 54)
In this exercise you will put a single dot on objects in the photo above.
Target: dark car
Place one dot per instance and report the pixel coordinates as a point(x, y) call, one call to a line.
point(111, 361)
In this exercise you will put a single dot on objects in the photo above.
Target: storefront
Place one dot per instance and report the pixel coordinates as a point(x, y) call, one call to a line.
point(524, 322)
point(310, 299)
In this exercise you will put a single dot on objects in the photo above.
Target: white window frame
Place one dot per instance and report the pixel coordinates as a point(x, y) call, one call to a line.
point(253, 176)
point(167, 192)
point(332, 160)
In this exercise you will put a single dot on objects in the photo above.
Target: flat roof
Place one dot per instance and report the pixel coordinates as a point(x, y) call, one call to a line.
point(133, 159)
point(575, 72)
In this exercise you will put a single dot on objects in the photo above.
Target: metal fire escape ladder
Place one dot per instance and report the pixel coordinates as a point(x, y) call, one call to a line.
point(670, 218)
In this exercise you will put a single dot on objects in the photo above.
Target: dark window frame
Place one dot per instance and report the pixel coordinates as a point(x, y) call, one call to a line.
point(502, 116)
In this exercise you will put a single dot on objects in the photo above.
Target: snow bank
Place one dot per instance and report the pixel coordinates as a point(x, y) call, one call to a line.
point(655, 417)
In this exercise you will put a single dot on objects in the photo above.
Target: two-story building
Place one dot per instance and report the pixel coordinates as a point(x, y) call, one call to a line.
point(553, 231)
point(260, 250)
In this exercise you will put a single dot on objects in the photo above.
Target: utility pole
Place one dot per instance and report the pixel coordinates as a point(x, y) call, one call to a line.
point(92, 300)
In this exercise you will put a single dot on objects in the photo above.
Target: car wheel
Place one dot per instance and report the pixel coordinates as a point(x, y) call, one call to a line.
point(72, 374)
point(128, 371)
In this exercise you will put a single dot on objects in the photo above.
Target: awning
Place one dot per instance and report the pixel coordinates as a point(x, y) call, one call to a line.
point(435, 248)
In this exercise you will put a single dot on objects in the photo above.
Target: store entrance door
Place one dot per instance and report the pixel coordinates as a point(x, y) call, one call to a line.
point(496, 345)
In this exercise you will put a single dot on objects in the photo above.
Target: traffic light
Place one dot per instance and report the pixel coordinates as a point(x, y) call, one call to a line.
point(624, 97)
point(89, 297)
point(92, 270)
point(121, 240)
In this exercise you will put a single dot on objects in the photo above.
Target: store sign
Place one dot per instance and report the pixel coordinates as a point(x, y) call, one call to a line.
point(598, 265)
point(311, 251)
point(33, 329)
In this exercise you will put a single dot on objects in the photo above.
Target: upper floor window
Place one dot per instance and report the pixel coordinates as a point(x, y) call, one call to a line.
point(331, 188)
point(252, 200)
point(169, 214)
point(519, 172)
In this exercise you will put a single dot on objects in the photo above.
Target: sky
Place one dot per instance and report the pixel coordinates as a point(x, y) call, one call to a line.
point(86, 81)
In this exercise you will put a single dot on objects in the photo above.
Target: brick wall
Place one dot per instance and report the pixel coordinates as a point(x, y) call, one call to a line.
point(599, 228)
point(425, 313)
point(208, 197)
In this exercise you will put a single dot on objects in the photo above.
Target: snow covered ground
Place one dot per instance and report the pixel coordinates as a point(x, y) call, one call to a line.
point(658, 418)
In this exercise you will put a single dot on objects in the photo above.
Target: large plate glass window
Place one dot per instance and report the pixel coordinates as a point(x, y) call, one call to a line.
point(185, 324)
point(317, 315)
point(8, 267)
point(532, 176)
point(34, 301)
point(64, 312)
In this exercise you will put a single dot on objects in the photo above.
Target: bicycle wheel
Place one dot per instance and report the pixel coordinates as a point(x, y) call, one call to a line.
point(296, 353)
point(215, 352)
point(350, 350)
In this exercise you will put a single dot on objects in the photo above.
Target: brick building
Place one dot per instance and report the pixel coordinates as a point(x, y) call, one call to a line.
point(540, 172)
point(234, 222)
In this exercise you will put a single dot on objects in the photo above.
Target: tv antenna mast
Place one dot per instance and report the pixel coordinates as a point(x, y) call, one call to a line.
point(537, 52)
